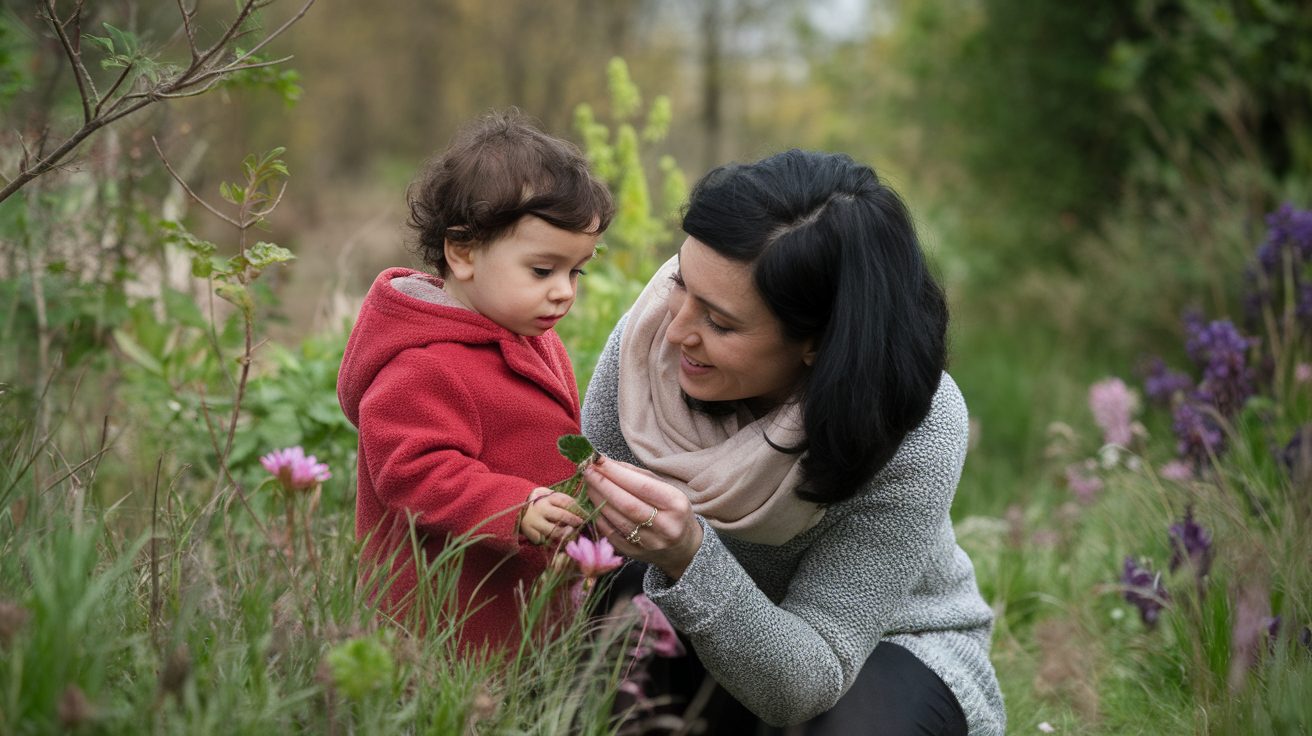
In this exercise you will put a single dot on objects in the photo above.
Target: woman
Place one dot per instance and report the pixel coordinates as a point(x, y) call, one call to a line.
point(782, 448)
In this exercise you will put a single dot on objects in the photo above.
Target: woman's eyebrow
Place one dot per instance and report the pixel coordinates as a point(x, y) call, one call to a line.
point(710, 304)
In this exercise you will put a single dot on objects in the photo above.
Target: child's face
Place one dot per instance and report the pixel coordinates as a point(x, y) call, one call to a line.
point(526, 280)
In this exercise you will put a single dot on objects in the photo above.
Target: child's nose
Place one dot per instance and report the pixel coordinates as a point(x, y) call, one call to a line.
point(562, 289)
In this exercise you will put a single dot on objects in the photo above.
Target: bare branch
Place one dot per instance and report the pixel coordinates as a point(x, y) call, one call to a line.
point(261, 214)
point(247, 8)
point(223, 72)
point(280, 30)
point(114, 88)
point(74, 57)
point(187, 28)
point(187, 189)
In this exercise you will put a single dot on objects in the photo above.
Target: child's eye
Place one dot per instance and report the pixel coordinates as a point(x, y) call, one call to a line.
point(578, 272)
point(541, 273)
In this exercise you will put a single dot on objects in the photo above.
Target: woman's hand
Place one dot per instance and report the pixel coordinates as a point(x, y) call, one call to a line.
point(549, 516)
point(644, 517)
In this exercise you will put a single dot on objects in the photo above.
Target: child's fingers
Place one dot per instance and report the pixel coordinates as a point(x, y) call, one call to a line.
point(567, 502)
point(557, 515)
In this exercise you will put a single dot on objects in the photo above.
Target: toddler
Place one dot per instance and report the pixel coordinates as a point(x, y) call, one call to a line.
point(457, 382)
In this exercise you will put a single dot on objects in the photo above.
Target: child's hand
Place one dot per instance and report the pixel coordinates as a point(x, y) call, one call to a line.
point(549, 516)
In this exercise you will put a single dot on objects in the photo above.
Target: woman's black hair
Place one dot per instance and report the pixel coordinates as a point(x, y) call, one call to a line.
point(835, 257)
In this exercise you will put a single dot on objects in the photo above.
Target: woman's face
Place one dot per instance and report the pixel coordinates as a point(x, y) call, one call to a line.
point(732, 345)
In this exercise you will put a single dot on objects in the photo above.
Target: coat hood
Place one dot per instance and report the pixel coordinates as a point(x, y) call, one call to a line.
point(392, 322)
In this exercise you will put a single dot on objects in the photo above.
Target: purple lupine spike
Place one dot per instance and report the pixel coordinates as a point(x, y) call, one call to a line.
point(1144, 590)
point(1162, 385)
point(1198, 435)
point(1191, 542)
point(1222, 352)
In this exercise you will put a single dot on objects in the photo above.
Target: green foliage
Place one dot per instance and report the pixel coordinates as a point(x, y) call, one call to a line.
point(640, 234)
point(362, 666)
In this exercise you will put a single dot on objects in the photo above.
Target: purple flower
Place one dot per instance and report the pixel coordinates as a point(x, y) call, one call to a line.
point(1198, 435)
point(1113, 405)
point(1190, 541)
point(1144, 589)
point(593, 558)
point(1281, 265)
point(1222, 353)
point(1296, 457)
point(1162, 385)
point(294, 470)
point(1083, 481)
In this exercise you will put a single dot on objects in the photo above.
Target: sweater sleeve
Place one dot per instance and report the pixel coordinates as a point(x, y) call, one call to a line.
point(421, 452)
point(794, 660)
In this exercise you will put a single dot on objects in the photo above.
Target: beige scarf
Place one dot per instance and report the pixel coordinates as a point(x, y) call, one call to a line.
point(733, 477)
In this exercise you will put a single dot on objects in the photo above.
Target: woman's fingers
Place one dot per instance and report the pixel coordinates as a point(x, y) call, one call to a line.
point(632, 492)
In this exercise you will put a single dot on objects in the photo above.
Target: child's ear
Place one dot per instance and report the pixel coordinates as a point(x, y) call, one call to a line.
point(459, 259)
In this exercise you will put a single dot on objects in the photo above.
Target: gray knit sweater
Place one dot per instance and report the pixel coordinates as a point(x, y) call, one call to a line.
point(786, 629)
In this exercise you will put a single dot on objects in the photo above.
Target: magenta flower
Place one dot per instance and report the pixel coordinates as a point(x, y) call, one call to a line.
point(594, 558)
point(294, 469)
point(1083, 481)
point(657, 635)
point(1177, 471)
point(1113, 405)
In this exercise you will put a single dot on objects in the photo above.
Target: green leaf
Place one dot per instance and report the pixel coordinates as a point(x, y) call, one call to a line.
point(262, 255)
point(237, 295)
point(136, 353)
point(576, 448)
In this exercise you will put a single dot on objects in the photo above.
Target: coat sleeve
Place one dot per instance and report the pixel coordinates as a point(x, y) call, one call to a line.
point(790, 661)
point(421, 450)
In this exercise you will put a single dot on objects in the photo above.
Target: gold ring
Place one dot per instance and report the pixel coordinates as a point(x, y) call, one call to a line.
point(634, 538)
point(650, 519)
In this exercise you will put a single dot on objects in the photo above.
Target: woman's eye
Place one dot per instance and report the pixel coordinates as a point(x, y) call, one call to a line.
point(541, 273)
point(677, 278)
point(716, 327)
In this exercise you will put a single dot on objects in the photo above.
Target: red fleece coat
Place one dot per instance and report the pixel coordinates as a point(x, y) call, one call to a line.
point(458, 422)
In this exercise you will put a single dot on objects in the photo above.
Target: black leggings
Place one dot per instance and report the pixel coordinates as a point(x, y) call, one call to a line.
point(895, 694)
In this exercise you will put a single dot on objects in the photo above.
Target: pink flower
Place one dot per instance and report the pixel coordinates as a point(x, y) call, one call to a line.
point(1177, 471)
point(294, 470)
point(1303, 373)
point(594, 558)
point(656, 636)
point(1083, 482)
point(1113, 405)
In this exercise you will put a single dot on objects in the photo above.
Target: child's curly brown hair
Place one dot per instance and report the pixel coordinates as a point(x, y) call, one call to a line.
point(496, 170)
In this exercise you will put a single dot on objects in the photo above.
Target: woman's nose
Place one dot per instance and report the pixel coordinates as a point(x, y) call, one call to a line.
point(680, 331)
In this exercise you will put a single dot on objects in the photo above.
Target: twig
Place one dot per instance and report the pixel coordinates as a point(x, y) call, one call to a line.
point(196, 198)
point(155, 602)
point(114, 88)
point(74, 57)
point(280, 30)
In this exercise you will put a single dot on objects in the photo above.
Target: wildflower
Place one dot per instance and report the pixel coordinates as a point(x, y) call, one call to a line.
point(1296, 457)
point(1176, 471)
point(593, 558)
point(294, 470)
point(1083, 482)
point(657, 635)
point(1046, 727)
point(1222, 352)
point(1199, 437)
point(1113, 405)
point(1162, 385)
point(1190, 541)
point(1144, 590)
point(1303, 373)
